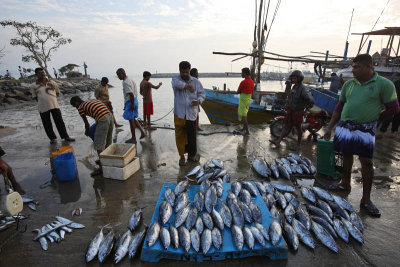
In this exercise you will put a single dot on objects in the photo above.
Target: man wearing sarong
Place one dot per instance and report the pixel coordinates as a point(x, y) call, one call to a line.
point(356, 115)
point(298, 100)
point(188, 95)
point(246, 88)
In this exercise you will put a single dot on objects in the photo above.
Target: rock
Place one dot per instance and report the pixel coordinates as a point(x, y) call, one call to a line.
point(10, 100)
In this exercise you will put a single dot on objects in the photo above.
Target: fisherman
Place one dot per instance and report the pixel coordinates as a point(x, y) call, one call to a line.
point(45, 92)
point(131, 105)
point(101, 93)
point(104, 120)
point(6, 170)
point(335, 83)
point(55, 73)
point(145, 91)
point(195, 73)
point(357, 112)
point(245, 90)
point(298, 100)
point(188, 95)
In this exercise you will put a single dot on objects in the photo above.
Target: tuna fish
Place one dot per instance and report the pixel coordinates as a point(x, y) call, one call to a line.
point(122, 246)
point(199, 174)
point(216, 237)
point(354, 232)
point(217, 163)
point(319, 213)
point(250, 187)
point(210, 199)
point(237, 215)
point(304, 168)
point(94, 245)
point(170, 196)
point(343, 203)
point(181, 216)
point(325, 207)
point(165, 211)
point(184, 238)
point(205, 177)
point(303, 233)
point(291, 236)
point(248, 217)
point(231, 198)
point(106, 246)
point(199, 201)
point(194, 171)
point(181, 202)
point(195, 239)
point(191, 218)
point(206, 240)
point(153, 234)
point(275, 213)
point(356, 221)
point(245, 196)
point(136, 240)
point(322, 193)
point(204, 186)
point(262, 230)
point(284, 187)
point(271, 200)
point(248, 238)
point(217, 219)
point(339, 211)
point(258, 235)
point(199, 225)
point(134, 221)
point(269, 188)
point(180, 187)
point(207, 220)
point(324, 237)
point(278, 161)
point(275, 232)
point(237, 236)
point(274, 170)
point(173, 233)
point(226, 215)
point(307, 161)
point(290, 198)
point(325, 225)
point(285, 161)
point(303, 217)
point(292, 161)
point(281, 200)
point(308, 194)
point(287, 168)
point(283, 172)
point(256, 212)
point(226, 178)
point(222, 173)
point(165, 238)
point(261, 167)
point(219, 189)
point(260, 188)
point(341, 230)
point(289, 213)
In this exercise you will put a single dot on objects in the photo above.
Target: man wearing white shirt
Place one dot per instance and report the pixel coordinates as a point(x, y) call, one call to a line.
point(188, 95)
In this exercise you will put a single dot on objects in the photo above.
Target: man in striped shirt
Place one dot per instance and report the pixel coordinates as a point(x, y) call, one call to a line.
point(104, 120)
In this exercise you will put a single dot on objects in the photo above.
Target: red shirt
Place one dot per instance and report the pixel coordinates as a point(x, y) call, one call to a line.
point(246, 86)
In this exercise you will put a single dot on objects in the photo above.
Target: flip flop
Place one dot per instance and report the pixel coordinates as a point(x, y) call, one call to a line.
point(337, 187)
point(371, 209)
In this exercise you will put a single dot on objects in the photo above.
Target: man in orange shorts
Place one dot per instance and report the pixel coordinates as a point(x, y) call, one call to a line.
point(145, 91)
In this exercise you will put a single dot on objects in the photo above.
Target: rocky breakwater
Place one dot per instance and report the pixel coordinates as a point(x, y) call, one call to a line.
point(19, 91)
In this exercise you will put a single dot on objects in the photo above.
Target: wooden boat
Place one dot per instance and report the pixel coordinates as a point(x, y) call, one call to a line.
point(221, 108)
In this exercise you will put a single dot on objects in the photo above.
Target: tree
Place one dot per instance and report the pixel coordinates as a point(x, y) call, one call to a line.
point(40, 42)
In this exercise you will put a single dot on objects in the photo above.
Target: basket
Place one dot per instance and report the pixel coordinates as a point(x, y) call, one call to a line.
point(329, 162)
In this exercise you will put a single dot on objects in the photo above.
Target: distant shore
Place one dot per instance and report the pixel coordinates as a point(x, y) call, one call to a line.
point(201, 75)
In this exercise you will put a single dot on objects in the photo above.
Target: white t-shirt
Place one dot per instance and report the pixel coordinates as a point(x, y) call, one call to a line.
point(46, 95)
point(129, 86)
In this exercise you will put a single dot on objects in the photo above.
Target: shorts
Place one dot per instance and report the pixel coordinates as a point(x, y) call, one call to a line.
point(293, 118)
point(244, 105)
point(148, 108)
point(103, 133)
point(129, 114)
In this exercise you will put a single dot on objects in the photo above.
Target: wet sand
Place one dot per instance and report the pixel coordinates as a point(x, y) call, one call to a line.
point(106, 201)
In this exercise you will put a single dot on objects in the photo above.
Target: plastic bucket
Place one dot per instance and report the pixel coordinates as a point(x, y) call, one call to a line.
point(65, 167)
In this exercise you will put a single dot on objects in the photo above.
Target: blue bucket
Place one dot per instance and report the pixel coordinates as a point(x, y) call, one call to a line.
point(65, 167)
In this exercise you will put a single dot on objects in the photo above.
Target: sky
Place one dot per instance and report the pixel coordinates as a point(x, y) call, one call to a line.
point(156, 35)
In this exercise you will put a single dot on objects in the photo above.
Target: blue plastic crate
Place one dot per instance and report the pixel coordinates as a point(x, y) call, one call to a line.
point(325, 100)
point(228, 250)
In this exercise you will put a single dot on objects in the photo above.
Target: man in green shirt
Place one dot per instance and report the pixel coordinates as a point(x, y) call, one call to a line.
point(360, 106)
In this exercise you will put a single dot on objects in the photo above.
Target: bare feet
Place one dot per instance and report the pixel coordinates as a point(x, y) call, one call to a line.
point(118, 125)
point(19, 189)
point(131, 141)
point(142, 136)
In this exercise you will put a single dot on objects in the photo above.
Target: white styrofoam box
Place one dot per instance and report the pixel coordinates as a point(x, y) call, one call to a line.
point(122, 173)
point(118, 155)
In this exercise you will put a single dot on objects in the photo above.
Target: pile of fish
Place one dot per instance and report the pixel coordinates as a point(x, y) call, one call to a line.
point(199, 224)
point(31, 202)
point(284, 166)
point(7, 221)
point(102, 245)
point(212, 170)
point(55, 231)
point(328, 216)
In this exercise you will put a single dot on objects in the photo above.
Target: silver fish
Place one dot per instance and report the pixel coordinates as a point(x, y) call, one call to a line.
point(216, 173)
point(180, 187)
point(322, 193)
point(136, 240)
point(292, 160)
point(308, 194)
point(32, 206)
point(200, 173)
point(106, 246)
point(199, 201)
point(245, 196)
point(290, 198)
point(231, 198)
point(275, 232)
point(94, 245)
point(256, 212)
point(287, 167)
point(250, 187)
point(303, 234)
point(205, 177)
point(306, 160)
point(207, 220)
point(191, 218)
point(195, 239)
point(278, 161)
point(248, 237)
point(170, 196)
point(303, 216)
point(46, 231)
point(269, 188)
point(325, 207)
point(62, 234)
point(305, 169)
point(165, 211)
point(356, 221)
point(237, 215)
point(226, 178)
point(320, 213)
point(26, 199)
point(284, 187)
point(165, 238)
point(274, 170)
point(262, 230)
point(181, 202)
point(134, 221)
point(206, 240)
point(341, 230)
point(219, 189)
point(217, 219)
point(216, 237)
point(283, 172)
point(324, 236)
point(258, 235)
point(339, 211)
point(291, 236)
point(204, 186)
point(226, 215)
point(354, 232)
point(66, 229)
point(153, 234)
point(199, 225)
point(173, 232)
point(261, 167)
point(289, 213)
point(122, 246)
point(343, 203)
point(75, 225)
point(280, 199)
point(325, 225)
point(248, 217)
point(236, 187)
point(194, 171)
point(43, 243)
point(184, 238)
point(260, 188)
point(181, 216)
point(217, 163)
point(222, 173)
point(210, 199)
point(285, 161)
point(237, 236)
